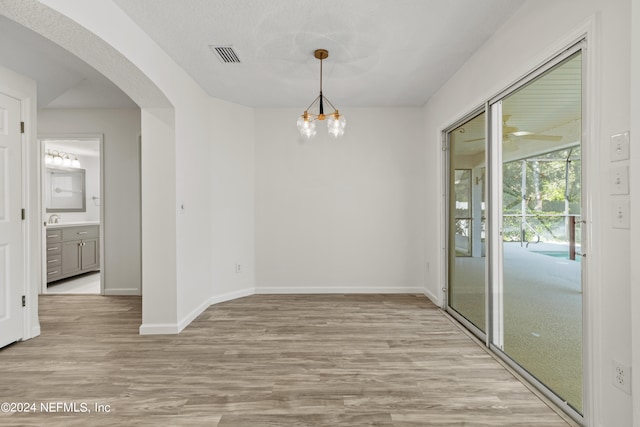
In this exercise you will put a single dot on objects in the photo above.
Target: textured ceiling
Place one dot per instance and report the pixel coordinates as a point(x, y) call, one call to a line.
point(381, 53)
point(63, 80)
point(55, 30)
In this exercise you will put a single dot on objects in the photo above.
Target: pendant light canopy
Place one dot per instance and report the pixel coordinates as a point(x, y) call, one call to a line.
point(307, 121)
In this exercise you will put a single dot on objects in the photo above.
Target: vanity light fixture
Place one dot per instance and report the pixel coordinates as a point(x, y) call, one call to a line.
point(57, 158)
point(307, 121)
point(60, 158)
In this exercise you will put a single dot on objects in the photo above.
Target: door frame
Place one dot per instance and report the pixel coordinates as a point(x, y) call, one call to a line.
point(446, 170)
point(24, 90)
point(585, 40)
point(43, 214)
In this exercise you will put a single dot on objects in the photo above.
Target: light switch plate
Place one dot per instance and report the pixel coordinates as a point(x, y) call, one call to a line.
point(620, 147)
point(619, 180)
point(620, 210)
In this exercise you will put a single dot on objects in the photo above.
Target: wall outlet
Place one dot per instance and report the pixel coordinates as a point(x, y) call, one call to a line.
point(622, 376)
point(238, 268)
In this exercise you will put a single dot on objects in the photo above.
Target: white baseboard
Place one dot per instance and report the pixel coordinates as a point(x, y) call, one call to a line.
point(213, 300)
point(168, 328)
point(121, 291)
point(171, 328)
point(159, 329)
point(339, 290)
point(216, 299)
point(434, 299)
point(35, 331)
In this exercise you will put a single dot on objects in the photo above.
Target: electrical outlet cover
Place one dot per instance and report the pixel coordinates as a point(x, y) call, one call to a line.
point(619, 180)
point(620, 147)
point(622, 376)
point(620, 211)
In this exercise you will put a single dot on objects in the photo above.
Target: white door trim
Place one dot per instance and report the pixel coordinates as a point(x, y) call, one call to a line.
point(24, 90)
point(42, 209)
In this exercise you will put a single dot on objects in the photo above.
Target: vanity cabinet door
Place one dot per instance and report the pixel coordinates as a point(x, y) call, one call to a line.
point(71, 257)
point(90, 254)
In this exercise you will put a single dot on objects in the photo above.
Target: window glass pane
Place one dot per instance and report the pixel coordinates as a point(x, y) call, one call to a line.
point(467, 221)
point(541, 186)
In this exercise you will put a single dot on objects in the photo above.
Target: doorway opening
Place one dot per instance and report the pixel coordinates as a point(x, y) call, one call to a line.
point(72, 213)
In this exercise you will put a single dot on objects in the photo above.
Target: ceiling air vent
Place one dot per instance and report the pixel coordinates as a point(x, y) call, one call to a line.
point(226, 54)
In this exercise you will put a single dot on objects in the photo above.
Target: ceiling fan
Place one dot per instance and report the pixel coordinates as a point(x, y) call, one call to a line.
point(512, 131)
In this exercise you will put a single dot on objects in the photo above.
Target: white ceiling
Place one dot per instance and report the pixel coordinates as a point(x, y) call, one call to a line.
point(64, 81)
point(381, 52)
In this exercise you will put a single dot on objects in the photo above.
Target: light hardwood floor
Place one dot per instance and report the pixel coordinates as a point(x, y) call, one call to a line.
point(295, 360)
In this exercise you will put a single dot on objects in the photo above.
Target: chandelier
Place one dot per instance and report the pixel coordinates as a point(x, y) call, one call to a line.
point(307, 121)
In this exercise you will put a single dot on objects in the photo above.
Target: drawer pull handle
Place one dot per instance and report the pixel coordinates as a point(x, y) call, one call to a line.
point(52, 235)
point(52, 249)
point(82, 232)
point(52, 260)
point(51, 273)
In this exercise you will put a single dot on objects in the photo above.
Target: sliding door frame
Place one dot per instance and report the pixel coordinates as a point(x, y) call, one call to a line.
point(446, 148)
point(496, 342)
point(493, 276)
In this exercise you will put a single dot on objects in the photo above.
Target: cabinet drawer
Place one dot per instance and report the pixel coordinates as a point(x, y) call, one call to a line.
point(54, 235)
point(53, 273)
point(53, 249)
point(54, 261)
point(77, 233)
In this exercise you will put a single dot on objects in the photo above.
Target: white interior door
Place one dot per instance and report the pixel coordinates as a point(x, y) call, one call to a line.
point(11, 242)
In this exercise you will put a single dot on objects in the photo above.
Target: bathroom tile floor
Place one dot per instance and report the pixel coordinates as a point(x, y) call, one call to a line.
point(85, 284)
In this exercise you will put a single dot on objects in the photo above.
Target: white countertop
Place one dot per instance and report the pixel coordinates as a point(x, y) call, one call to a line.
point(72, 224)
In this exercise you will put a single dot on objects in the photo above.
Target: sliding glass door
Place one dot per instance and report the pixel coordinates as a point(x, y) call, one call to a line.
point(541, 214)
point(515, 271)
point(467, 262)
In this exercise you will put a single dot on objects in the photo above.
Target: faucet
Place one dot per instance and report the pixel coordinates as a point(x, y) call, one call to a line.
point(54, 219)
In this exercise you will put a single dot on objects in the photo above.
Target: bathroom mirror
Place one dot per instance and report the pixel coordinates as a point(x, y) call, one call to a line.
point(65, 190)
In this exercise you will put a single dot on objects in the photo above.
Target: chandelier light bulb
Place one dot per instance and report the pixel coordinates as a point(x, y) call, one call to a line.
point(306, 126)
point(336, 124)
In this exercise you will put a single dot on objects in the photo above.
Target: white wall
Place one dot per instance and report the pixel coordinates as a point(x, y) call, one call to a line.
point(531, 35)
point(121, 223)
point(24, 89)
point(177, 273)
point(231, 189)
point(340, 215)
point(159, 274)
